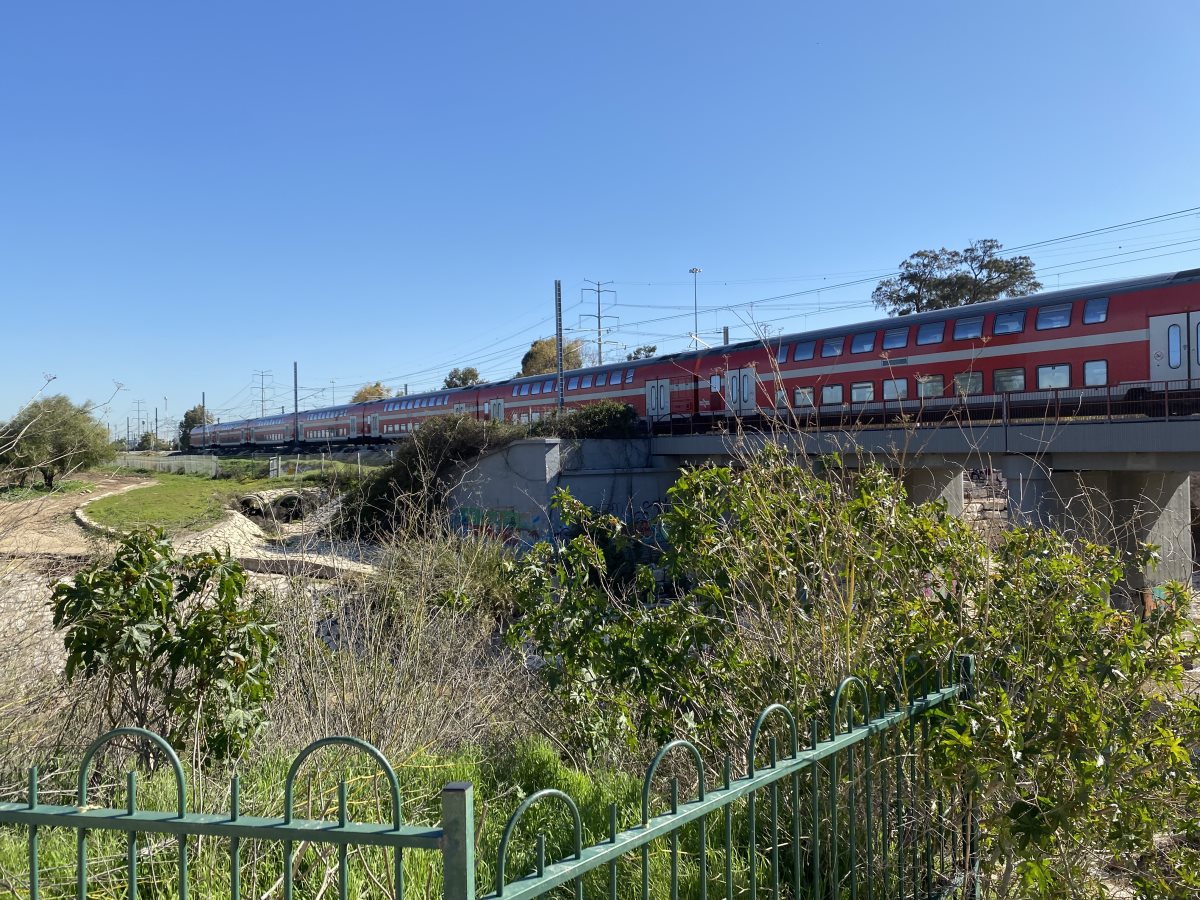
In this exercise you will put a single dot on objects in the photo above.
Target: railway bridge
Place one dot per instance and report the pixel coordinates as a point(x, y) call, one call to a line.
point(1120, 482)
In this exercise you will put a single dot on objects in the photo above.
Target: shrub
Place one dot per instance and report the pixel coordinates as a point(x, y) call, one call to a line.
point(1078, 747)
point(418, 479)
point(175, 642)
point(604, 419)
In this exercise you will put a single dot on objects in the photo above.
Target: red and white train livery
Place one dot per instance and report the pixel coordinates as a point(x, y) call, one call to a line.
point(1128, 342)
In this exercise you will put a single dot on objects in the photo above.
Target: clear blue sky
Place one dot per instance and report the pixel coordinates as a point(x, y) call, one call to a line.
point(192, 192)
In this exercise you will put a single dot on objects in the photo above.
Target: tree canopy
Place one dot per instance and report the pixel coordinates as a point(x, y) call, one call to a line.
point(942, 279)
point(374, 391)
point(197, 415)
point(542, 357)
point(52, 436)
point(465, 377)
point(150, 441)
point(643, 352)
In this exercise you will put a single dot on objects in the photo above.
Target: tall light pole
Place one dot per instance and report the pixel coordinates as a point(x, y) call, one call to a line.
point(695, 309)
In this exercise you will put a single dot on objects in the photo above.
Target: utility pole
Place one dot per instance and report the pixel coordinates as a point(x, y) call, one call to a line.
point(296, 402)
point(203, 420)
point(599, 289)
point(141, 422)
point(332, 393)
point(559, 338)
point(154, 443)
point(725, 335)
point(262, 374)
point(695, 308)
point(127, 432)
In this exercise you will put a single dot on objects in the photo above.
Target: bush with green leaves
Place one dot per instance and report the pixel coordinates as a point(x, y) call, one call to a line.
point(419, 477)
point(603, 419)
point(1079, 745)
point(173, 642)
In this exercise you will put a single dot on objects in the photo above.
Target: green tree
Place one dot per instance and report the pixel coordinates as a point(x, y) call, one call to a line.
point(374, 391)
point(148, 441)
point(197, 415)
point(643, 352)
point(53, 436)
point(542, 357)
point(174, 641)
point(465, 377)
point(942, 279)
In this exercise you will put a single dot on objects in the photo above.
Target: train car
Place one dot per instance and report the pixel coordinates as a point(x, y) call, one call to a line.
point(1131, 346)
point(333, 425)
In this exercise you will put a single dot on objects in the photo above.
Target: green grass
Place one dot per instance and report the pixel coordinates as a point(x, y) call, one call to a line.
point(176, 503)
point(13, 493)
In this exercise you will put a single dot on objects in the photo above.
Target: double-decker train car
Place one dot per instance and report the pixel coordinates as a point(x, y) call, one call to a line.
point(1129, 346)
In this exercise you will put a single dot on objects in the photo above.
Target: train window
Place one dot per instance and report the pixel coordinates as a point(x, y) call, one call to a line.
point(572, 382)
point(895, 338)
point(862, 391)
point(781, 398)
point(804, 350)
point(1051, 377)
point(781, 355)
point(966, 329)
point(931, 333)
point(587, 381)
point(516, 388)
point(832, 347)
point(968, 384)
point(601, 379)
point(831, 394)
point(1009, 322)
point(1057, 316)
point(1005, 380)
point(863, 343)
point(537, 388)
point(629, 376)
point(1174, 346)
point(1095, 373)
point(525, 389)
point(1095, 311)
point(803, 397)
point(548, 386)
point(714, 384)
point(895, 389)
point(929, 386)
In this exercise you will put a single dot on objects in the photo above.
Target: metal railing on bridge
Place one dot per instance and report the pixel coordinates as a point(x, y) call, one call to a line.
point(847, 807)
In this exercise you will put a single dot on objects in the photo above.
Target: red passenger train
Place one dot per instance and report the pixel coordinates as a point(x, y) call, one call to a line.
point(1124, 347)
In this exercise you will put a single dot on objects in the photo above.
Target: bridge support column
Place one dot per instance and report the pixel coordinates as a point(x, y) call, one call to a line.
point(924, 485)
point(1032, 499)
point(1125, 509)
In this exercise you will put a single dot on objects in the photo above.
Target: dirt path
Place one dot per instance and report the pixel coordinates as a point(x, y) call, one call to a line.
point(44, 526)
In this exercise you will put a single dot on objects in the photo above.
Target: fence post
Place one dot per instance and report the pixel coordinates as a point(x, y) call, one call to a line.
point(458, 841)
point(972, 882)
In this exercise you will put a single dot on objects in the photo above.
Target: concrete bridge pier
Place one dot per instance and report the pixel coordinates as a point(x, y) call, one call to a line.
point(1129, 508)
point(1032, 498)
point(927, 484)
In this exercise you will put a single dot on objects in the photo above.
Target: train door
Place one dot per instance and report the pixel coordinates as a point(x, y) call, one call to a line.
point(1175, 347)
point(375, 425)
point(741, 392)
point(658, 399)
point(352, 431)
point(496, 410)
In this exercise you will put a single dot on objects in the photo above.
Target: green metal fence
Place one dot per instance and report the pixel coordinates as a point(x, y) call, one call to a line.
point(849, 810)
